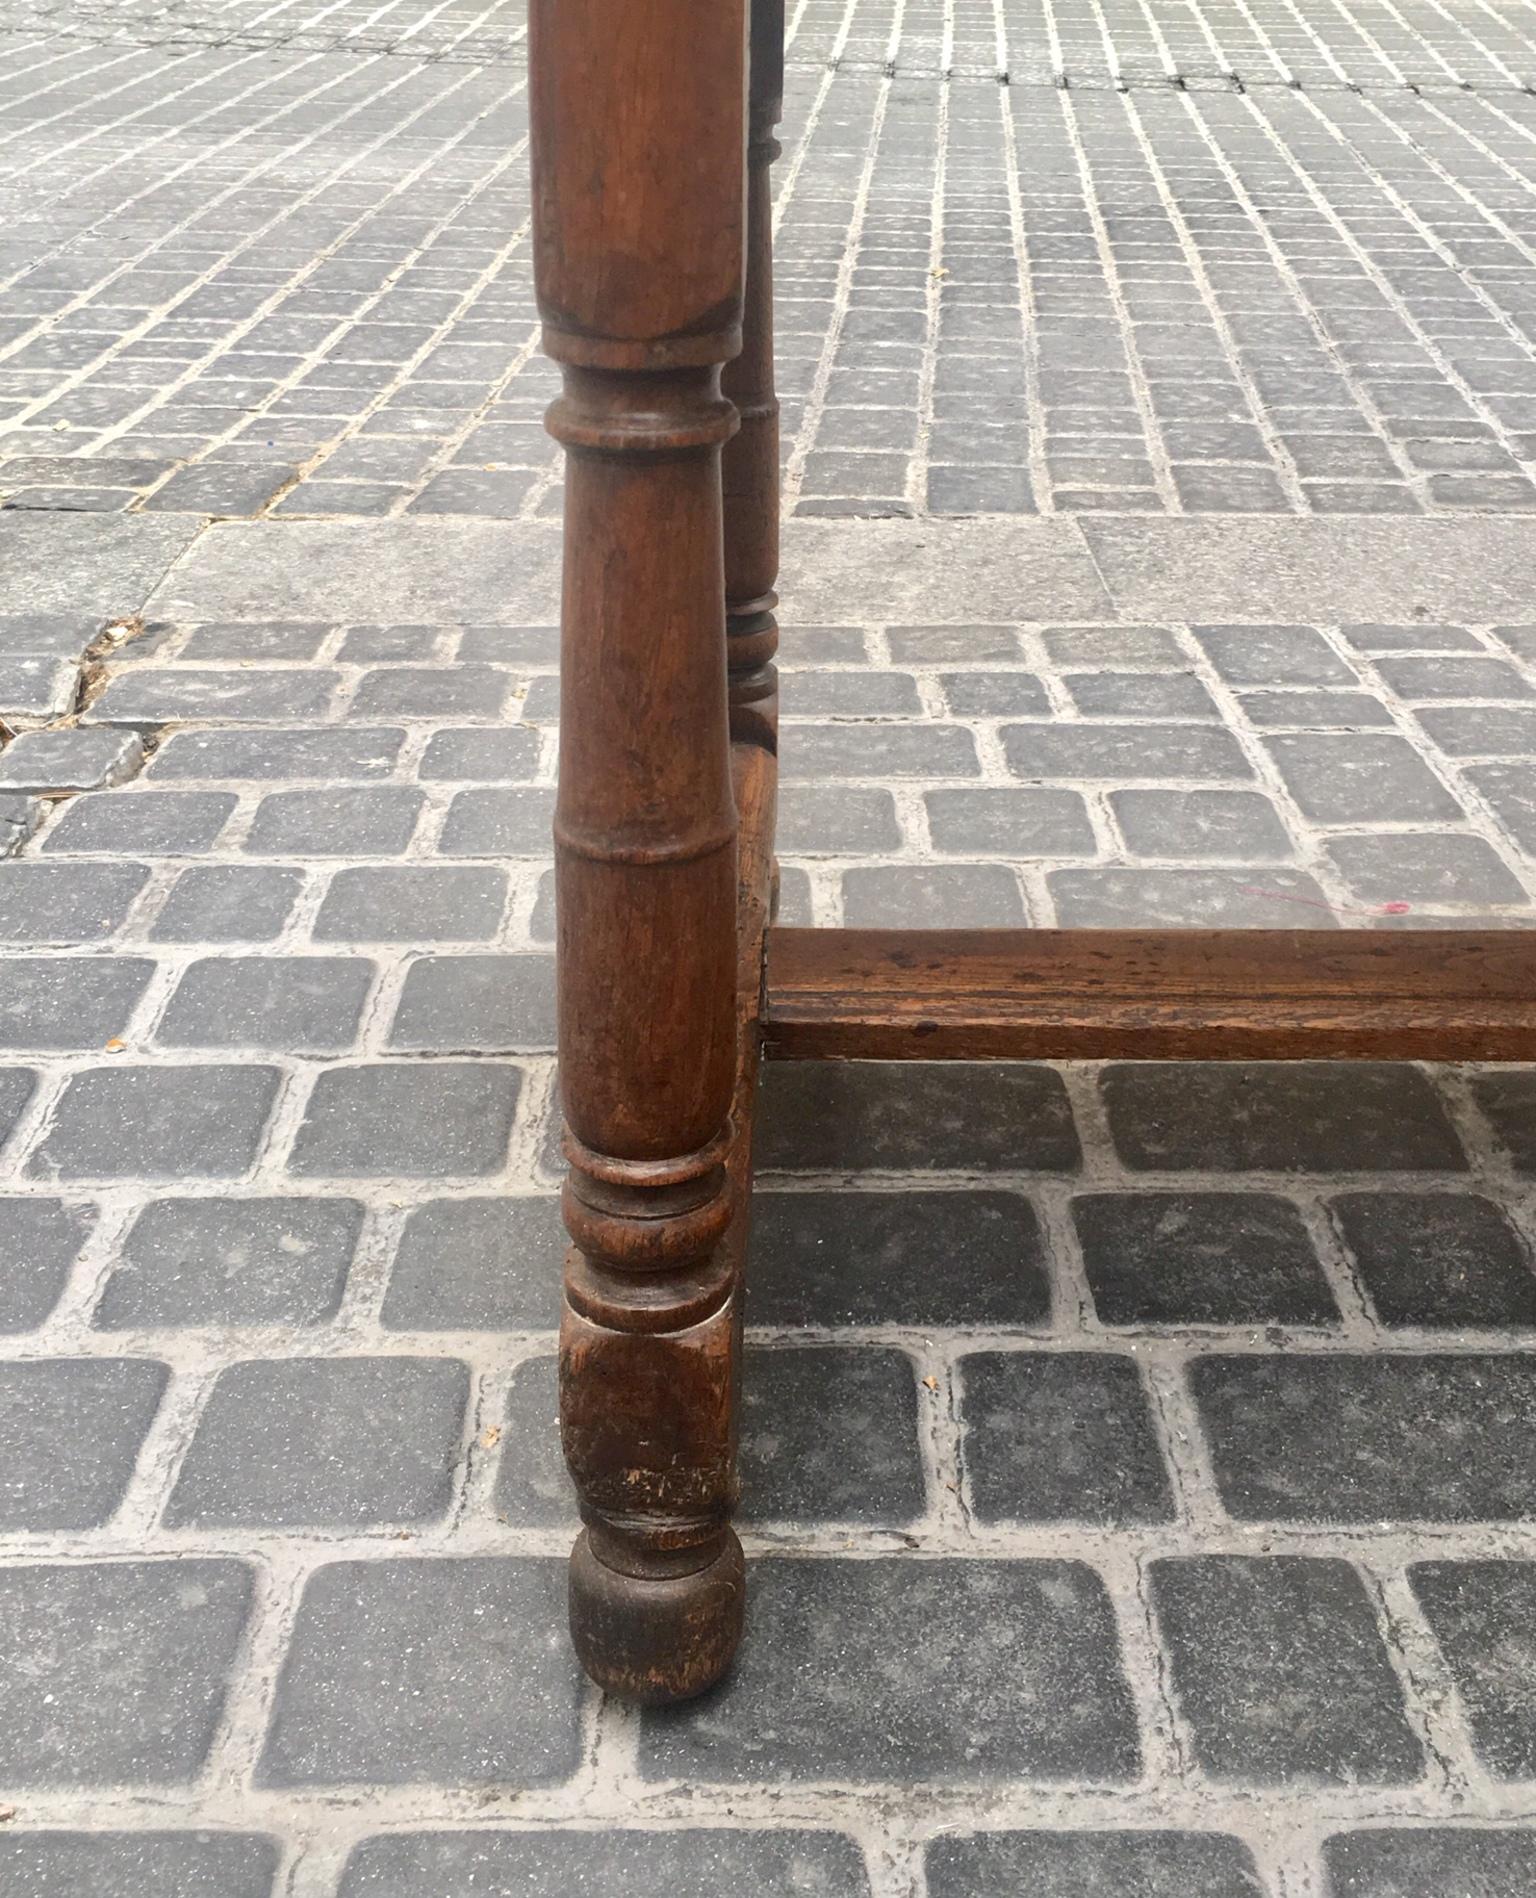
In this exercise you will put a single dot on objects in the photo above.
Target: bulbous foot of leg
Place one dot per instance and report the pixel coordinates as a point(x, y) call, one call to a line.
point(657, 1641)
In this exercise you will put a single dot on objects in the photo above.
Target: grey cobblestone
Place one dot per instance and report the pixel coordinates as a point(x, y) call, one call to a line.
point(150, 696)
point(446, 1119)
point(1065, 1436)
point(1359, 778)
point(1011, 823)
point(334, 823)
point(1285, 1117)
point(1239, 826)
point(1238, 898)
point(41, 1239)
point(532, 1487)
point(156, 1123)
point(280, 640)
point(33, 689)
point(1419, 1860)
point(476, 1005)
point(1023, 1653)
point(19, 818)
point(59, 635)
point(1434, 1260)
point(1481, 1614)
point(970, 895)
point(71, 1430)
point(831, 819)
point(506, 1254)
point(499, 821)
point(235, 1262)
point(225, 902)
point(310, 1004)
point(437, 1708)
point(1150, 695)
point(1509, 787)
point(69, 760)
point(124, 1864)
point(17, 1086)
point(1508, 1099)
point(415, 904)
point(1083, 1864)
point(1088, 241)
point(547, 1864)
point(156, 823)
point(830, 1433)
point(1314, 1436)
point(216, 755)
point(82, 1002)
point(1448, 868)
point(1202, 1259)
point(1251, 1639)
point(1118, 752)
point(828, 1258)
point(846, 1115)
point(483, 754)
point(116, 1672)
point(324, 1442)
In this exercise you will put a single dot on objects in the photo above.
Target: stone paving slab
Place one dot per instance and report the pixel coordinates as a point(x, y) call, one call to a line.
point(1359, 570)
point(385, 571)
point(60, 564)
point(996, 570)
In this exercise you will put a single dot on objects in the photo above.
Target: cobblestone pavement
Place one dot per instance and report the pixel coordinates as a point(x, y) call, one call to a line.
point(273, 258)
point(1140, 1460)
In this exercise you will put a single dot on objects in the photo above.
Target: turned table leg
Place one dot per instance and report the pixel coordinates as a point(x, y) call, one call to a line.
point(638, 119)
point(750, 464)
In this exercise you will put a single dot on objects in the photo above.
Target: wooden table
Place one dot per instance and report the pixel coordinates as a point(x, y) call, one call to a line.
point(653, 136)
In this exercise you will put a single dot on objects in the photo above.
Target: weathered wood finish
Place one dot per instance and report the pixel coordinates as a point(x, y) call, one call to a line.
point(750, 462)
point(639, 133)
point(653, 247)
point(1186, 994)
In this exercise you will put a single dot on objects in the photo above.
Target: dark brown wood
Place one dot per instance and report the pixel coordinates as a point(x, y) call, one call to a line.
point(652, 140)
point(1187, 994)
point(750, 462)
point(639, 117)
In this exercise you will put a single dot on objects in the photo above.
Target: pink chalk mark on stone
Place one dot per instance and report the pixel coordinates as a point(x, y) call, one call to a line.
point(1333, 909)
